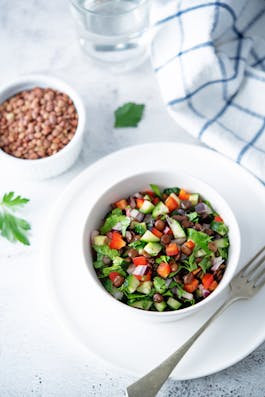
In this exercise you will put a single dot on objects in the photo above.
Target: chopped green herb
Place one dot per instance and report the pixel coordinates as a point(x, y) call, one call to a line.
point(205, 264)
point(220, 228)
point(170, 190)
point(106, 251)
point(160, 285)
point(155, 189)
point(193, 216)
point(128, 115)
point(137, 244)
point(163, 258)
point(12, 227)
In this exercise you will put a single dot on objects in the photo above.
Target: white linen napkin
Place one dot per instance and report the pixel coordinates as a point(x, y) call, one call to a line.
point(209, 59)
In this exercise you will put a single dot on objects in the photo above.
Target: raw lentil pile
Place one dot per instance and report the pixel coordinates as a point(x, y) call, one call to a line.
point(37, 123)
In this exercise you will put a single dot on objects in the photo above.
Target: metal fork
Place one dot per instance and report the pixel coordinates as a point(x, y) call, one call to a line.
point(243, 286)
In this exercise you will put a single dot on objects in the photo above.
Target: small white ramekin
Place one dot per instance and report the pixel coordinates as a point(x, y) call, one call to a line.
point(57, 163)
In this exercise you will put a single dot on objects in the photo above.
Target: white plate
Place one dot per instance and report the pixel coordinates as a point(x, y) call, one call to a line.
point(136, 347)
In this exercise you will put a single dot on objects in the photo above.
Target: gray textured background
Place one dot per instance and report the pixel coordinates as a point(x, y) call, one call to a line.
point(38, 357)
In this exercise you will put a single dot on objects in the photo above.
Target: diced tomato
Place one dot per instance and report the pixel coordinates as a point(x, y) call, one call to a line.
point(190, 244)
point(139, 202)
point(167, 230)
point(156, 232)
point(192, 286)
point(122, 204)
point(155, 200)
point(139, 260)
point(146, 277)
point(171, 204)
point(213, 285)
point(150, 193)
point(116, 241)
point(113, 275)
point(207, 280)
point(172, 249)
point(217, 218)
point(183, 195)
point(163, 269)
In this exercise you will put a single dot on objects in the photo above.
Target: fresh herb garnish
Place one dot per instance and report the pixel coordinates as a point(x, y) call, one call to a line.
point(11, 227)
point(128, 115)
point(106, 251)
point(137, 244)
point(170, 190)
point(155, 189)
point(163, 258)
point(113, 219)
point(193, 216)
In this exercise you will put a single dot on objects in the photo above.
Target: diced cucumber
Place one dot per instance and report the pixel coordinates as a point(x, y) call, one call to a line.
point(149, 237)
point(160, 306)
point(160, 209)
point(176, 228)
point(160, 285)
point(194, 198)
point(132, 283)
point(100, 240)
point(200, 253)
point(145, 287)
point(139, 228)
point(143, 304)
point(153, 249)
point(147, 197)
point(147, 207)
point(221, 242)
point(173, 303)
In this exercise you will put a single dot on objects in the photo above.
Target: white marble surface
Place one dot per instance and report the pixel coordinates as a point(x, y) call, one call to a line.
point(38, 356)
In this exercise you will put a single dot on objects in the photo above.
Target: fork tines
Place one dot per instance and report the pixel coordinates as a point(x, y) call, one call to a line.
point(254, 270)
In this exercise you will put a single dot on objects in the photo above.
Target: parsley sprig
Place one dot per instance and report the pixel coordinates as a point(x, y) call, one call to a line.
point(12, 227)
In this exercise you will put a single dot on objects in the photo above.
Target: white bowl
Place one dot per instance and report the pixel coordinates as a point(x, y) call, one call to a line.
point(140, 182)
point(59, 162)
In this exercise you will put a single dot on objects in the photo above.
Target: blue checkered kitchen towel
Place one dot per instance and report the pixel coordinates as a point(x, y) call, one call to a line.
point(209, 59)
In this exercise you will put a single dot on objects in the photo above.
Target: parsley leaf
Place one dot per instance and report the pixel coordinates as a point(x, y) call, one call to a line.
point(12, 227)
point(200, 239)
point(170, 190)
point(193, 216)
point(156, 190)
point(128, 115)
point(163, 258)
point(137, 244)
point(106, 251)
point(113, 219)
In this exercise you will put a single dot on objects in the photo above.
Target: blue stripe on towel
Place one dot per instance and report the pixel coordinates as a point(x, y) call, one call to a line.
point(250, 143)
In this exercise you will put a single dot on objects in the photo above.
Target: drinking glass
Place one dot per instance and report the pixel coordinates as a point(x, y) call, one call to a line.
point(114, 32)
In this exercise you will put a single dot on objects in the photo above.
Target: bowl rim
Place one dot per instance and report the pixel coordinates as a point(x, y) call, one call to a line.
point(29, 81)
point(172, 313)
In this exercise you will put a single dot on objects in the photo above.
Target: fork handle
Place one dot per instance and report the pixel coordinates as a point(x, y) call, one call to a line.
point(151, 383)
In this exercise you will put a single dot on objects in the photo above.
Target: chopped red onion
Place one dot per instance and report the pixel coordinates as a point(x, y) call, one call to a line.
point(137, 195)
point(118, 226)
point(131, 268)
point(140, 217)
point(139, 270)
point(179, 240)
point(204, 291)
point(166, 230)
point(128, 211)
point(216, 263)
point(168, 281)
point(203, 208)
point(117, 294)
point(134, 213)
